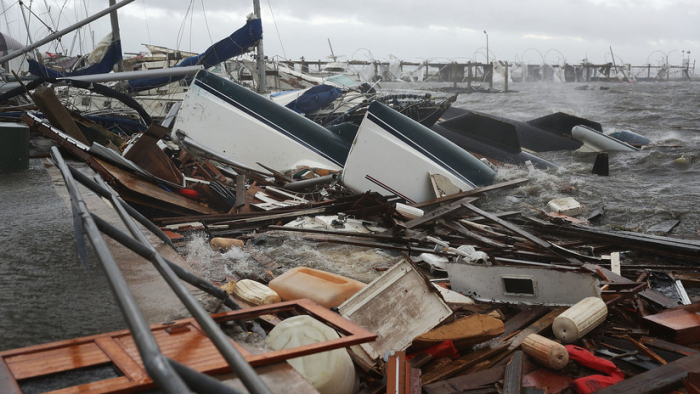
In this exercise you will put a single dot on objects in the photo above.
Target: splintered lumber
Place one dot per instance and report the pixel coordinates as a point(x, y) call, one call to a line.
point(512, 380)
point(146, 154)
point(535, 240)
point(537, 327)
point(523, 318)
point(463, 332)
point(647, 294)
point(56, 113)
point(473, 192)
point(439, 212)
point(466, 382)
point(462, 364)
point(470, 234)
point(668, 346)
point(658, 380)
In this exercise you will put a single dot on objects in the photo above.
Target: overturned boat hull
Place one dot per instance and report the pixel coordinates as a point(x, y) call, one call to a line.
point(488, 136)
point(251, 129)
point(547, 133)
point(394, 155)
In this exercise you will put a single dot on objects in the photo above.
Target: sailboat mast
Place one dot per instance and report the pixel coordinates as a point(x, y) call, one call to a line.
point(114, 19)
point(26, 23)
point(262, 82)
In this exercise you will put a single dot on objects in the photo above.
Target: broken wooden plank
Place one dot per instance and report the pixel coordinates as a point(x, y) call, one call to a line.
point(647, 294)
point(537, 327)
point(462, 383)
point(473, 192)
point(463, 363)
point(658, 380)
point(45, 98)
point(664, 227)
point(455, 226)
point(669, 346)
point(512, 379)
point(439, 212)
point(536, 240)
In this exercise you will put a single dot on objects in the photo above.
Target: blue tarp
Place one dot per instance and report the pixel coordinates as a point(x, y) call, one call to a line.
point(111, 57)
point(314, 99)
point(231, 46)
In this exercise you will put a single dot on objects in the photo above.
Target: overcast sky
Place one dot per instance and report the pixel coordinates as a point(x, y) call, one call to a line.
point(639, 31)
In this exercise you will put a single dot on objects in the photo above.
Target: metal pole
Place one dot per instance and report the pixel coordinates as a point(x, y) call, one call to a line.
point(114, 19)
point(26, 23)
point(103, 192)
point(238, 364)
point(117, 235)
point(262, 82)
point(63, 32)
point(156, 364)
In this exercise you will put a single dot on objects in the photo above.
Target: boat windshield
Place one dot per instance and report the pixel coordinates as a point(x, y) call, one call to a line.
point(343, 80)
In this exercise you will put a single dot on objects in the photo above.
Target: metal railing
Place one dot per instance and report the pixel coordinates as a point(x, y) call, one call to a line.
point(167, 374)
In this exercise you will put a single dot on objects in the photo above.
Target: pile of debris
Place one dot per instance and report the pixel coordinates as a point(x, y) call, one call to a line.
point(467, 300)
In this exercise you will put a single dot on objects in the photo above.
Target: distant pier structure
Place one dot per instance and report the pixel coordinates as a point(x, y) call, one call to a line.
point(503, 72)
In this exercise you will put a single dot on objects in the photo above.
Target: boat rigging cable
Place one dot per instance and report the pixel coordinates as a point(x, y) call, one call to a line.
point(279, 37)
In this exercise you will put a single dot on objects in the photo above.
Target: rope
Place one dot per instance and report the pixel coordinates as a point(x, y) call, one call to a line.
point(279, 37)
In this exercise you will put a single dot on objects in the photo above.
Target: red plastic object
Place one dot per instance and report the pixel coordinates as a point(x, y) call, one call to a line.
point(593, 383)
point(191, 194)
point(443, 349)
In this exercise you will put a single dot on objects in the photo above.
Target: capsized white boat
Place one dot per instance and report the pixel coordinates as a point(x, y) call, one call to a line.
point(393, 154)
point(595, 141)
point(250, 128)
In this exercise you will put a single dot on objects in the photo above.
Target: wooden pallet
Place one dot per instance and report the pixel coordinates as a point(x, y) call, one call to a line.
point(183, 341)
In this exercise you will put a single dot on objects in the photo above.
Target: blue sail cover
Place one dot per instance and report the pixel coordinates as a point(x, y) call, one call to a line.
point(111, 57)
point(231, 46)
point(314, 99)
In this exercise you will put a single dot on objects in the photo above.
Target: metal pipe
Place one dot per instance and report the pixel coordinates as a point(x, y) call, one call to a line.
point(68, 29)
point(301, 185)
point(136, 247)
point(201, 383)
point(116, 35)
point(128, 75)
point(103, 192)
point(156, 364)
point(236, 361)
point(262, 81)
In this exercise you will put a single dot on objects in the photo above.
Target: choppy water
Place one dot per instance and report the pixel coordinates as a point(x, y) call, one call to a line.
point(645, 187)
point(46, 295)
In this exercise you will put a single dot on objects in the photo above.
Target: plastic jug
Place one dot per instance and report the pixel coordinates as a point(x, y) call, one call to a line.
point(324, 288)
point(330, 372)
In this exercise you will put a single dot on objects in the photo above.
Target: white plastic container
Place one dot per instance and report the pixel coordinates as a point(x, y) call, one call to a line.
point(580, 319)
point(330, 372)
point(566, 206)
point(324, 288)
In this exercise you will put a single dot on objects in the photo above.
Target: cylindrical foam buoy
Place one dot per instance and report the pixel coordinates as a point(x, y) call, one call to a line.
point(224, 244)
point(255, 293)
point(14, 147)
point(580, 319)
point(551, 354)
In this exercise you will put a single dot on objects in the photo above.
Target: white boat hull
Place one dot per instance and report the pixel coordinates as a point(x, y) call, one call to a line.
point(251, 129)
point(595, 141)
point(394, 155)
